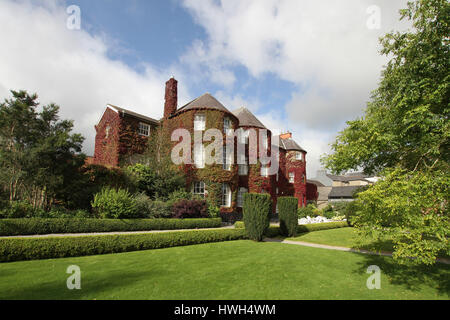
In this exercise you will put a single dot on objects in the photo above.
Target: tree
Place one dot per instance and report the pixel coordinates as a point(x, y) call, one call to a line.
point(404, 134)
point(38, 153)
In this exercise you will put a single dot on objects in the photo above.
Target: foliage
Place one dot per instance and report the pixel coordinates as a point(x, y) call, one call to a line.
point(287, 209)
point(256, 210)
point(38, 152)
point(412, 210)
point(309, 211)
point(16, 227)
point(157, 184)
point(184, 209)
point(152, 209)
point(115, 204)
point(328, 212)
point(47, 248)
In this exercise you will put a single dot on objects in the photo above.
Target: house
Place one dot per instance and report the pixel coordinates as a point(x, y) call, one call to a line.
point(122, 135)
point(333, 188)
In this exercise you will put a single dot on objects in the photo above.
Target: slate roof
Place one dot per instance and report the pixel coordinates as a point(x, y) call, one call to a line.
point(206, 101)
point(347, 178)
point(343, 192)
point(317, 183)
point(289, 145)
point(247, 119)
point(135, 115)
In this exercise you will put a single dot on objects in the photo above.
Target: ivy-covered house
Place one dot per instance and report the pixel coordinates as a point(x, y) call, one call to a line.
point(122, 134)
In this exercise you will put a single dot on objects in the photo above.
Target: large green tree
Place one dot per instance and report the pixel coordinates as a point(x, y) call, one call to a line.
point(404, 137)
point(38, 152)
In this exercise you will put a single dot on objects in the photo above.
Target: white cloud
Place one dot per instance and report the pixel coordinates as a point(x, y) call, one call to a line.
point(71, 68)
point(324, 47)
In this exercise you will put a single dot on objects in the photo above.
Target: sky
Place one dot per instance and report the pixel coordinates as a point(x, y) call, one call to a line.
point(302, 66)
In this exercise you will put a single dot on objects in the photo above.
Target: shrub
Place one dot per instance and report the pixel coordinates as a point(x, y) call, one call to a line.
point(239, 225)
point(304, 212)
point(47, 248)
point(184, 209)
point(35, 226)
point(115, 204)
point(287, 210)
point(350, 211)
point(157, 185)
point(230, 217)
point(321, 226)
point(256, 211)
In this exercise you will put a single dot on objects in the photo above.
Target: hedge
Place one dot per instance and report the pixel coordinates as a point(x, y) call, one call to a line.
point(35, 226)
point(256, 213)
point(287, 208)
point(273, 231)
point(18, 249)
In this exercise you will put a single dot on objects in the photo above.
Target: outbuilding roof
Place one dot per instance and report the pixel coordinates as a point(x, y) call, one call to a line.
point(134, 114)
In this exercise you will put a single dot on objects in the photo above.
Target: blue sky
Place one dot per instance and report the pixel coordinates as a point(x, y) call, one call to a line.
point(299, 65)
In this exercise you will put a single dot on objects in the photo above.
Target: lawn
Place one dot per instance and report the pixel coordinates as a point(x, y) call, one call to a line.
point(227, 270)
point(342, 237)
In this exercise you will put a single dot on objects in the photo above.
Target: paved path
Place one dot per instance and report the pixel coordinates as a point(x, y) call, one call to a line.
point(324, 246)
point(109, 233)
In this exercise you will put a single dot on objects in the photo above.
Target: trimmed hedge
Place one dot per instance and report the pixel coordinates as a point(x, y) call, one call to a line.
point(35, 226)
point(321, 226)
point(256, 210)
point(287, 210)
point(273, 231)
point(12, 249)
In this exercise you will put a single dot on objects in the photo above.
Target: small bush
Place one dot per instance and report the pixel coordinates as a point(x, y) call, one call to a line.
point(350, 211)
point(256, 211)
point(185, 209)
point(230, 217)
point(35, 226)
point(287, 210)
point(321, 226)
point(115, 204)
point(152, 209)
point(48, 248)
point(19, 209)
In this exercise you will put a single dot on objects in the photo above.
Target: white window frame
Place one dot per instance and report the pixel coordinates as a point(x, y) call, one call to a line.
point(291, 177)
point(243, 166)
point(144, 129)
point(226, 195)
point(199, 156)
point(198, 188)
point(264, 171)
point(240, 196)
point(200, 122)
point(226, 158)
point(244, 136)
point(298, 156)
point(227, 126)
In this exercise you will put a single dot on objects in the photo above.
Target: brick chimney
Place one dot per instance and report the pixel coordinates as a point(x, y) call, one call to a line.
point(171, 97)
point(286, 135)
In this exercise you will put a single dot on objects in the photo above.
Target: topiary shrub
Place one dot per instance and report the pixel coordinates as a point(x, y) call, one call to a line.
point(115, 204)
point(185, 209)
point(256, 212)
point(287, 211)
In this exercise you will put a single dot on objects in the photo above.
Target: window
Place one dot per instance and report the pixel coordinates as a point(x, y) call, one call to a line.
point(199, 122)
point(264, 171)
point(244, 137)
point(226, 159)
point(226, 195)
point(298, 156)
point(243, 166)
point(199, 156)
point(227, 126)
point(199, 189)
point(291, 177)
point(240, 197)
point(107, 130)
point(144, 129)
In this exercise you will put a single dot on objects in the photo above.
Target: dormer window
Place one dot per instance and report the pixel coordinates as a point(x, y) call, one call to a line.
point(144, 129)
point(298, 156)
point(199, 122)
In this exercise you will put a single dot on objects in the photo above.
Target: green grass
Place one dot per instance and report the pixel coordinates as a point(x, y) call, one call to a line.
point(343, 237)
point(227, 270)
